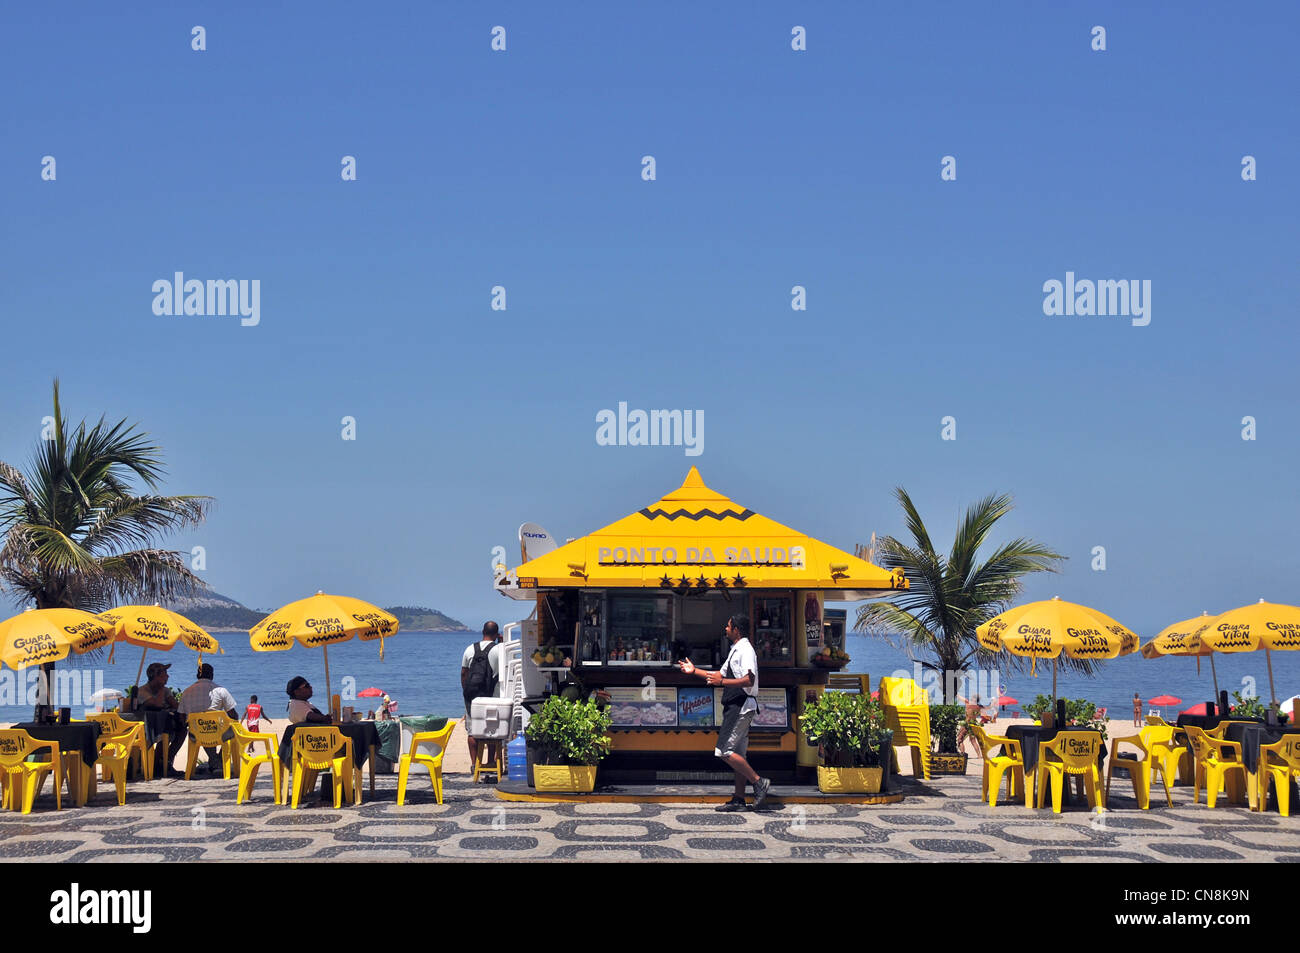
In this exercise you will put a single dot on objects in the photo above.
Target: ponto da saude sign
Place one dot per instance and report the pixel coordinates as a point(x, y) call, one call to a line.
point(702, 555)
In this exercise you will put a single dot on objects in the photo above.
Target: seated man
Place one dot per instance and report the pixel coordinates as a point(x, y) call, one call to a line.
point(155, 696)
point(207, 695)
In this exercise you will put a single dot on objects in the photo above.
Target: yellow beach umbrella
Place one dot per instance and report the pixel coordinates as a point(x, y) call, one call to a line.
point(1183, 638)
point(1054, 627)
point(322, 620)
point(37, 636)
point(153, 627)
point(1269, 625)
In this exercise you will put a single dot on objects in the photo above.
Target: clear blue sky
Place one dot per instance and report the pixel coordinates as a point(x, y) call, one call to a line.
point(775, 168)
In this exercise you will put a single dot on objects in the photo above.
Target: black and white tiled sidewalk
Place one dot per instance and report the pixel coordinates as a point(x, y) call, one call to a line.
point(940, 821)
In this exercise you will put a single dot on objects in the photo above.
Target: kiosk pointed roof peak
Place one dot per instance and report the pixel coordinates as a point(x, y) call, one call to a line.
point(693, 488)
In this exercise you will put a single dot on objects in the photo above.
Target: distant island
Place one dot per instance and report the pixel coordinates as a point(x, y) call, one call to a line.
point(218, 613)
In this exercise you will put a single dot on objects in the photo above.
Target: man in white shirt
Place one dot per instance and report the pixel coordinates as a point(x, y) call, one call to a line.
point(480, 668)
point(207, 695)
point(739, 680)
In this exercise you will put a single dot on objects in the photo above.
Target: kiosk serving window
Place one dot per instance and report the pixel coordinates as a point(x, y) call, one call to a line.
point(640, 630)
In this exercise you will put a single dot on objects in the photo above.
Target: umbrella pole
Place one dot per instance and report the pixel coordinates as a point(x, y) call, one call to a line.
point(329, 697)
point(1053, 682)
point(1215, 673)
point(143, 653)
point(1268, 656)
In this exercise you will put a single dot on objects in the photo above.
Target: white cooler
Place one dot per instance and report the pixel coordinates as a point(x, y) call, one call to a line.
point(489, 718)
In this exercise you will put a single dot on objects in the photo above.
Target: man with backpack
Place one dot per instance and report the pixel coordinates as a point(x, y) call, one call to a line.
point(480, 667)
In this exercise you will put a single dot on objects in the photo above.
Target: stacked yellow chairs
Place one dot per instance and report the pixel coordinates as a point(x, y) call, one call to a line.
point(24, 779)
point(907, 715)
point(1012, 759)
point(1278, 762)
point(1159, 753)
point(1217, 763)
point(1077, 753)
point(249, 761)
point(431, 761)
point(324, 749)
point(207, 729)
point(130, 733)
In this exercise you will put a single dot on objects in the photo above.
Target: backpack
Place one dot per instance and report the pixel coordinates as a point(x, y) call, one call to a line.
point(480, 681)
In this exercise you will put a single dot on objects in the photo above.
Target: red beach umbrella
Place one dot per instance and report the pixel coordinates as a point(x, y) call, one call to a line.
point(1196, 710)
point(370, 693)
point(1164, 701)
point(1007, 700)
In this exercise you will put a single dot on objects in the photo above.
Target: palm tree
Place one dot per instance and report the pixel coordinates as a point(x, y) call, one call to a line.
point(949, 597)
point(75, 532)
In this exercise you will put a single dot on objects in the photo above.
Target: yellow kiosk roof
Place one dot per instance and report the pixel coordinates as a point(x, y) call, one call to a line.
point(699, 538)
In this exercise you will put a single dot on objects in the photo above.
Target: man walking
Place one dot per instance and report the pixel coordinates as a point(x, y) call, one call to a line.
point(738, 678)
point(480, 668)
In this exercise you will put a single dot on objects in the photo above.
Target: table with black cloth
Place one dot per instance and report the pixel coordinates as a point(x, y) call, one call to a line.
point(1250, 737)
point(364, 736)
point(160, 722)
point(1030, 736)
point(77, 738)
point(1187, 767)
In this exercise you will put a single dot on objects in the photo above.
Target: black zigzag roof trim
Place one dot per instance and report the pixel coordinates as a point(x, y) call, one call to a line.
point(738, 514)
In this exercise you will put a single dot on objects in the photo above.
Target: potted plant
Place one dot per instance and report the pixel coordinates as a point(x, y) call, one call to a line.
point(570, 738)
point(945, 722)
point(852, 741)
point(1253, 707)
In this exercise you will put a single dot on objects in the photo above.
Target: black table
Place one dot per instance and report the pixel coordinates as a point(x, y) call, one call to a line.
point(1250, 737)
point(365, 741)
point(1030, 736)
point(161, 722)
point(82, 736)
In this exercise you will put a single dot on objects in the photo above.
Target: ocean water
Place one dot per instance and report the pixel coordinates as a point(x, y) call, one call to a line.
point(421, 672)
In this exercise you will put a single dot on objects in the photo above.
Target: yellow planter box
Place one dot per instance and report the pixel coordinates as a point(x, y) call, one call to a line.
point(564, 777)
point(848, 780)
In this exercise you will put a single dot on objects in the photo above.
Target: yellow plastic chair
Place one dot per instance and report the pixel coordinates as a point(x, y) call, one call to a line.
point(431, 761)
point(1217, 762)
point(1220, 731)
point(130, 733)
point(497, 764)
point(1012, 759)
point(114, 753)
point(250, 761)
point(323, 749)
point(1155, 742)
point(1076, 752)
point(24, 779)
point(207, 730)
point(1278, 762)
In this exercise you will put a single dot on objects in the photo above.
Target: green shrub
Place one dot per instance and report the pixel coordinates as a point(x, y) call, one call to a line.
point(945, 722)
point(1079, 712)
point(570, 732)
point(1252, 707)
point(848, 728)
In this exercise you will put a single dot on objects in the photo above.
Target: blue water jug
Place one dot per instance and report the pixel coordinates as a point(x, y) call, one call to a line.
point(517, 759)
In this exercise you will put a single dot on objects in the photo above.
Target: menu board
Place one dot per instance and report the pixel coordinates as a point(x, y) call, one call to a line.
point(643, 707)
point(695, 707)
point(773, 708)
point(773, 711)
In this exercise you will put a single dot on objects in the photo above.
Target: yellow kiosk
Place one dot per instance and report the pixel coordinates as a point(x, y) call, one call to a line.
point(623, 604)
